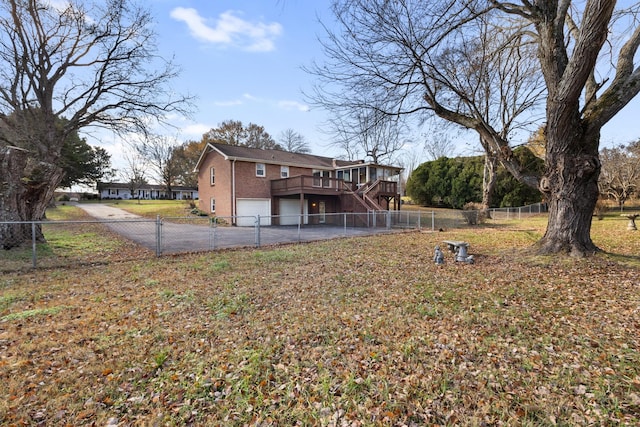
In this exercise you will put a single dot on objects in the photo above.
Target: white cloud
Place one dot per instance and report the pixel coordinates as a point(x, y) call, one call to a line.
point(283, 104)
point(251, 97)
point(230, 30)
point(195, 130)
point(230, 103)
point(237, 101)
point(59, 5)
point(293, 105)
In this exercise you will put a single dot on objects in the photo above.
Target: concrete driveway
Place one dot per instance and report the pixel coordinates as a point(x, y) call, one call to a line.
point(198, 234)
point(106, 212)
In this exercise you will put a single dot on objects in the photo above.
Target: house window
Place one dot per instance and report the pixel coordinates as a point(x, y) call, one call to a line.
point(321, 178)
point(344, 175)
point(213, 205)
point(212, 175)
point(260, 169)
point(284, 171)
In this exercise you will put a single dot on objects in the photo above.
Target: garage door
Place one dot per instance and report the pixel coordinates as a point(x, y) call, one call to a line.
point(290, 211)
point(248, 209)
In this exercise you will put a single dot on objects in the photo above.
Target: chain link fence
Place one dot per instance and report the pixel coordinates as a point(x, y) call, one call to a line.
point(44, 244)
point(518, 212)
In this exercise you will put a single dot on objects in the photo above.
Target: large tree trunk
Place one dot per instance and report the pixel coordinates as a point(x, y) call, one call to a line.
point(570, 185)
point(489, 179)
point(26, 187)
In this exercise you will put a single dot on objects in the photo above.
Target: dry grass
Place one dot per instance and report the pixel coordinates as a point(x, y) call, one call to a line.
point(78, 243)
point(363, 331)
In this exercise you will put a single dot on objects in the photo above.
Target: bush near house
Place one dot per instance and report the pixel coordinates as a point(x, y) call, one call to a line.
point(453, 182)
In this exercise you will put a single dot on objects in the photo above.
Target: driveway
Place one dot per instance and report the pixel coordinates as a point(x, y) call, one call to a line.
point(198, 234)
point(106, 212)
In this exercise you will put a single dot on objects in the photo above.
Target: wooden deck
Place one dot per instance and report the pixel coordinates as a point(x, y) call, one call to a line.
point(304, 184)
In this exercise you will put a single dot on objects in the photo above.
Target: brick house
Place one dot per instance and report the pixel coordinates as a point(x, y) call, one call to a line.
point(241, 183)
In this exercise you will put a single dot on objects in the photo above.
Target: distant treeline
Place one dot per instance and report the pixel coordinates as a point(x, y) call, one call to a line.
point(453, 182)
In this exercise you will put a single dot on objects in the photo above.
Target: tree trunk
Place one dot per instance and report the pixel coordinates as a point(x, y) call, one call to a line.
point(570, 185)
point(489, 179)
point(26, 187)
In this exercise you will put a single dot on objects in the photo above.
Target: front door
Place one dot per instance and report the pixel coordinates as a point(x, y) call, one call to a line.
point(322, 210)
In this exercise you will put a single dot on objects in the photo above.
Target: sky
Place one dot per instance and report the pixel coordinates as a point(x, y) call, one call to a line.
point(244, 61)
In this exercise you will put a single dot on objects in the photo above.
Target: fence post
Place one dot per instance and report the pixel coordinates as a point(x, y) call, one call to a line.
point(257, 231)
point(345, 223)
point(388, 220)
point(212, 234)
point(433, 221)
point(34, 256)
point(158, 236)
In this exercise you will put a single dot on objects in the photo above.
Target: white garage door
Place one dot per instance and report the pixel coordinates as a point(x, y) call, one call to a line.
point(290, 211)
point(248, 209)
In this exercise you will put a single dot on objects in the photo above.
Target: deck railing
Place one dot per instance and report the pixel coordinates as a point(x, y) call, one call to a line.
point(308, 184)
point(311, 184)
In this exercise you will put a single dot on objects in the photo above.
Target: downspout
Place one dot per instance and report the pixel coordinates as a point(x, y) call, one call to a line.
point(233, 190)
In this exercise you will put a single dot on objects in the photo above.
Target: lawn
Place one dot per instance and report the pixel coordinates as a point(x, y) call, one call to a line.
point(354, 331)
point(153, 208)
point(77, 241)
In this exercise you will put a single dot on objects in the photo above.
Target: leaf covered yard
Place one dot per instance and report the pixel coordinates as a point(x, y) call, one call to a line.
point(356, 332)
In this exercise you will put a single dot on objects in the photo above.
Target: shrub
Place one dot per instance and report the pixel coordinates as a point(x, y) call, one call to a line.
point(474, 213)
point(198, 212)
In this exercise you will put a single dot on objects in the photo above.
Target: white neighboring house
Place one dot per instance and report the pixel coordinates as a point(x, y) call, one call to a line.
point(121, 191)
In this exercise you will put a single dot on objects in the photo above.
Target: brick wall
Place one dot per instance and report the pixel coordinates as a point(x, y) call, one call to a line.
point(220, 190)
point(248, 185)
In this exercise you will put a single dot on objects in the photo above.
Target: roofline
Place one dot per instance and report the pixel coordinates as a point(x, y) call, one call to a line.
point(144, 186)
point(357, 163)
point(256, 160)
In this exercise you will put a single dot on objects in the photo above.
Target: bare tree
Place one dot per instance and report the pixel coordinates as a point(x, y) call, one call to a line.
point(93, 64)
point(399, 55)
point(341, 134)
point(437, 140)
point(134, 174)
point(620, 175)
point(293, 141)
point(158, 152)
point(367, 133)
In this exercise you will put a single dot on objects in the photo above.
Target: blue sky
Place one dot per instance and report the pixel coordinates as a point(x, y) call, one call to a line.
point(243, 60)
